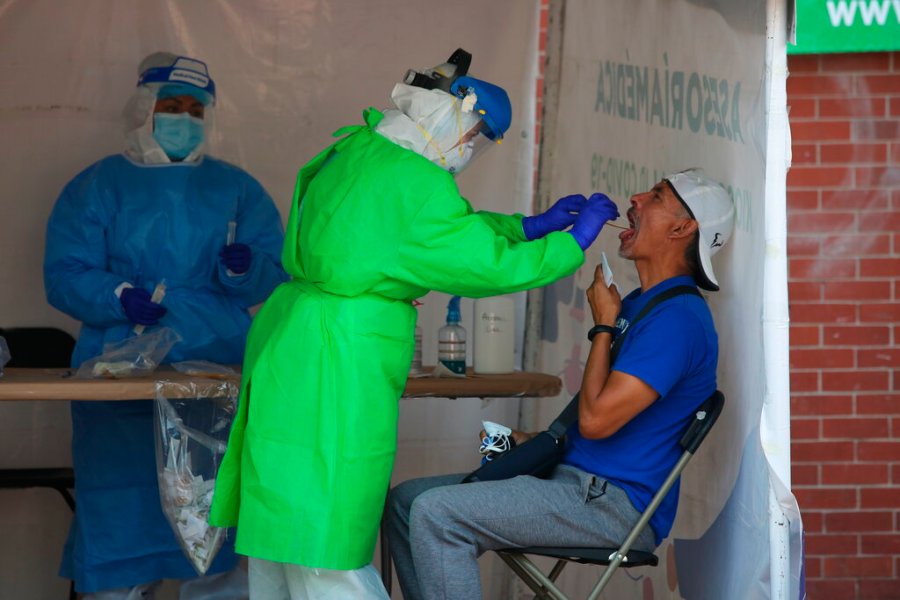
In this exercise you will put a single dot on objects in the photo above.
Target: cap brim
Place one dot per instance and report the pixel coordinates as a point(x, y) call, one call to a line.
point(706, 278)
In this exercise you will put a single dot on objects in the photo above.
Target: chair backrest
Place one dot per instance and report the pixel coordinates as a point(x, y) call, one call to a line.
point(704, 419)
point(38, 347)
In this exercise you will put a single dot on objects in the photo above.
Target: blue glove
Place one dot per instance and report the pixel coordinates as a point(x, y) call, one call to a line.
point(138, 307)
point(556, 218)
point(596, 212)
point(236, 258)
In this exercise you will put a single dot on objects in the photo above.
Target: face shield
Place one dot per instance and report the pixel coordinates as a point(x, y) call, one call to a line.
point(169, 118)
point(457, 116)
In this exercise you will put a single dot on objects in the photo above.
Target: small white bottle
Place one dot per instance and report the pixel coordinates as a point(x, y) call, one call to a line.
point(494, 335)
point(452, 340)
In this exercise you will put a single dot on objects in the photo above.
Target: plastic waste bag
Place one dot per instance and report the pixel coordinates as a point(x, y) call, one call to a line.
point(192, 426)
point(132, 357)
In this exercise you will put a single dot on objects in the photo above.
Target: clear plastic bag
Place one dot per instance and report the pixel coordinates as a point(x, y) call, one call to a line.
point(191, 430)
point(4, 354)
point(132, 357)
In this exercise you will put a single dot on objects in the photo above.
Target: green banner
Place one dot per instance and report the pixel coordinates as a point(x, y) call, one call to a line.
point(846, 26)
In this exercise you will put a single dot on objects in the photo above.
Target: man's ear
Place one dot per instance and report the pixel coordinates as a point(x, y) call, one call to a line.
point(685, 228)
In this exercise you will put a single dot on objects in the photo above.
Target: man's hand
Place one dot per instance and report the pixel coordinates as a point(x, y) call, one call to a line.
point(605, 301)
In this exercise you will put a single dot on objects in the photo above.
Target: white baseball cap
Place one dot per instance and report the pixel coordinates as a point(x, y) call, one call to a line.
point(710, 204)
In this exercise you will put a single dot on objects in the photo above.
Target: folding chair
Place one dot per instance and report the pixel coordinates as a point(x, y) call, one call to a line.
point(544, 586)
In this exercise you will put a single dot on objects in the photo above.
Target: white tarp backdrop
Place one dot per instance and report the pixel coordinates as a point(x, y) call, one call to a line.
point(288, 74)
point(647, 88)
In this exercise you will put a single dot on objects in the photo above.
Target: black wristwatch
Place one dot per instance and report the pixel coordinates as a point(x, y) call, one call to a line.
point(602, 329)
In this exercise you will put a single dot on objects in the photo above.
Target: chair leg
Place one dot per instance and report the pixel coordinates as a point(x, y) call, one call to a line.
point(72, 594)
point(539, 583)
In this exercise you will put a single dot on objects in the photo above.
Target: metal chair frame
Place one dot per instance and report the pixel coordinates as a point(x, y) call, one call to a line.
point(544, 585)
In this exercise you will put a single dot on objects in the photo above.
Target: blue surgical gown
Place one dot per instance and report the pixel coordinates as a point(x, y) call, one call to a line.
point(119, 221)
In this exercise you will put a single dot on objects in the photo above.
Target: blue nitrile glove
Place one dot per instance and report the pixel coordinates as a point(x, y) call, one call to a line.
point(556, 218)
point(594, 214)
point(236, 257)
point(138, 307)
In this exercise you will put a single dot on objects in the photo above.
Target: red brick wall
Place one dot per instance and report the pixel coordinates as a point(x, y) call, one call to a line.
point(844, 278)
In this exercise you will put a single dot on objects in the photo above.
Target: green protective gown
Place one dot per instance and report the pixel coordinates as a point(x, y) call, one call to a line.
point(372, 227)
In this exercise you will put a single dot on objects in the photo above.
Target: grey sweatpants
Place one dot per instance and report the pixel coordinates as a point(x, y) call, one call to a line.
point(437, 529)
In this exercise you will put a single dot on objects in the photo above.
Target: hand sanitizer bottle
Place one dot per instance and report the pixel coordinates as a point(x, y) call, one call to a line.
point(452, 340)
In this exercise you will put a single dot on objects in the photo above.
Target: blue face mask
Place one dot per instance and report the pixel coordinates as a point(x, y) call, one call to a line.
point(177, 134)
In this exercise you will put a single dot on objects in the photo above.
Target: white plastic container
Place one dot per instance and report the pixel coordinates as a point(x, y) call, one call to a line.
point(494, 335)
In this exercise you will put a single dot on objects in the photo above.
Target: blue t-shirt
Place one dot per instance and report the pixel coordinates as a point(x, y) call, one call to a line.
point(674, 350)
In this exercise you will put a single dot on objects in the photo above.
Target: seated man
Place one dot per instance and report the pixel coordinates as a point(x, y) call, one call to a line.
point(631, 414)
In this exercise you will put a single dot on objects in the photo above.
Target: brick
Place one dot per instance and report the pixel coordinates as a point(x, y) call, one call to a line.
point(802, 199)
point(878, 589)
point(802, 108)
point(895, 107)
point(821, 358)
point(805, 154)
point(809, 429)
point(822, 268)
point(857, 290)
point(854, 380)
point(831, 544)
point(813, 522)
point(859, 566)
point(820, 406)
point(829, 222)
point(812, 566)
point(876, 176)
point(869, 199)
point(875, 129)
point(879, 312)
point(803, 63)
point(804, 382)
point(888, 221)
point(804, 475)
point(822, 313)
point(874, 543)
point(856, 474)
point(879, 267)
point(853, 153)
point(821, 452)
point(803, 245)
point(804, 335)
point(880, 497)
point(855, 335)
point(885, 451)
point(852, 107)
point(828, 131)
point(856, 62)
point(820, 85)
point(882, 357)
point(866, 84)
point(852, 244)
point(820, 177)
point(826, 498)
point(854, 428)
point(882, 404)
point(831, 589)
point(894, 154)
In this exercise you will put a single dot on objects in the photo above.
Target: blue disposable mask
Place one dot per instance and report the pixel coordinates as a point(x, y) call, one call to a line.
point(177, 134)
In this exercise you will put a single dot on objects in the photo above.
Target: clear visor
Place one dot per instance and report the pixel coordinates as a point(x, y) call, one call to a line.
point(464, 147)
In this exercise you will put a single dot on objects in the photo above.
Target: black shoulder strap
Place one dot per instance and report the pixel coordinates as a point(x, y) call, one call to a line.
point(559, 426)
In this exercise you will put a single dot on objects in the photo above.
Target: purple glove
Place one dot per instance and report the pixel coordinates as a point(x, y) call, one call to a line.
point(138, 307)
point(236, 258)
point(596, 212)
point(556, 218)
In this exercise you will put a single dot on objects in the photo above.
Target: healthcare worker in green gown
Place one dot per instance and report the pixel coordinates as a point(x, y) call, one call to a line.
point(377, 221)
